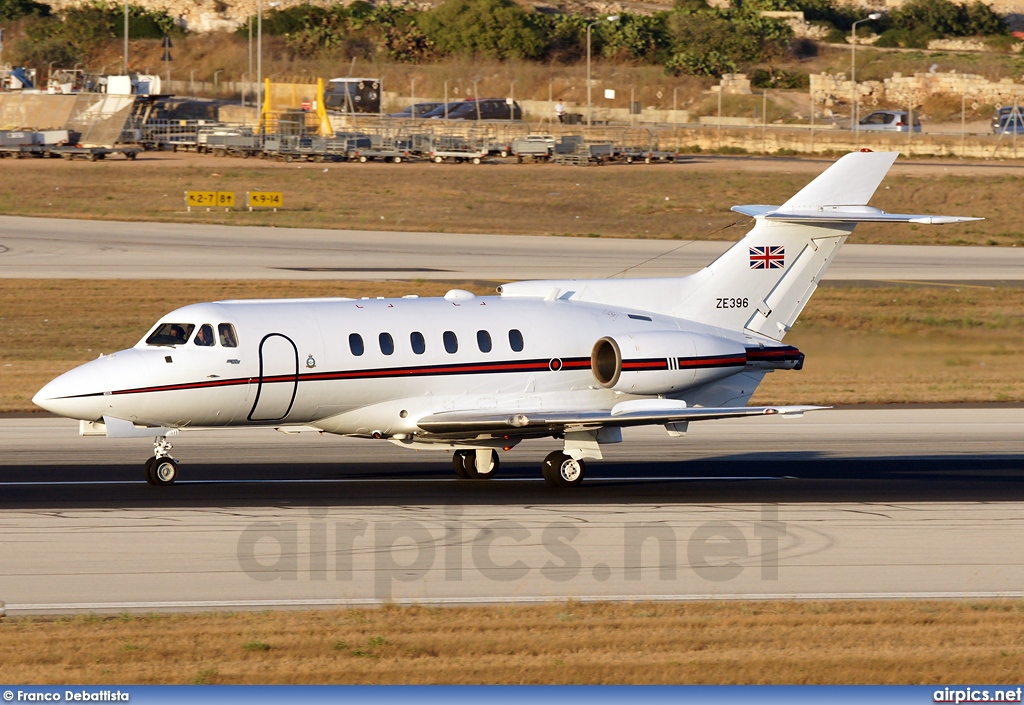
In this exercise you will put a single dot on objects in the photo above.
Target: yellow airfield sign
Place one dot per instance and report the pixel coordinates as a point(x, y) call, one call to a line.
point(209, 199)
point(265, 199)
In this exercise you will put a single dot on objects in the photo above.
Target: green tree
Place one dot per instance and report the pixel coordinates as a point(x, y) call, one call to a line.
point(715, 42)
point(13, 9)
point(498, 29)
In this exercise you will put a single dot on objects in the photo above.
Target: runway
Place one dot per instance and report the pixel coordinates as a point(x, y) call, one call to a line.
point(894, 502)
point(56, 248)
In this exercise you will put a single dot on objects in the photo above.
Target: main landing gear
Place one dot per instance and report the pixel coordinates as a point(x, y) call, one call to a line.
point(481, 464)
point(559, 469)
point(161, 469)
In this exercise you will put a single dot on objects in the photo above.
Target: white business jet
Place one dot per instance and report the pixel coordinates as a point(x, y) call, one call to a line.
point(574, 359)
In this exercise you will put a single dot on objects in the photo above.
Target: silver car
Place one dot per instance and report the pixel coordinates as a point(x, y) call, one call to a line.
point(888, 121)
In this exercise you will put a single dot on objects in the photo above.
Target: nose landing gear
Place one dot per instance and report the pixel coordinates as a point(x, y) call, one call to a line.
point(161, 469)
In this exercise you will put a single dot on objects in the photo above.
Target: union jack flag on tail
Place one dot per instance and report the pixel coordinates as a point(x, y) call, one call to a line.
point(768, 257)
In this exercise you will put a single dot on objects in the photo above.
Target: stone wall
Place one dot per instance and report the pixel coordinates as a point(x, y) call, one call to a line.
point(835, 89)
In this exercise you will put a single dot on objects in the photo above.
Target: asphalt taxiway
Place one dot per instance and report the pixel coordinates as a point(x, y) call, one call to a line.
point(58, 248)
point(904, 502)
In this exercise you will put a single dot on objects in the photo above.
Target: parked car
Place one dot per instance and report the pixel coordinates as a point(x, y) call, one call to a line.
point(418, 110)
point(482, 109)
point(888, 121)
point(439, 111)
point(1003, 123)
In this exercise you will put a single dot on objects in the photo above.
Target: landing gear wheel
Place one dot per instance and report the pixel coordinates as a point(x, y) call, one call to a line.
point(504, 152)
point(164, 471)
point(476, 160)
point(362, 159)
point(560, 470)
point(460, 461)
point(148, 471)
point(438, 160)
point(469, 465)
point(396, 160)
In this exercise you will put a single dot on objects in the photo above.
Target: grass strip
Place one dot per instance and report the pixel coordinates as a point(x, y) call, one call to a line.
point(683, 201)
point(904, 642)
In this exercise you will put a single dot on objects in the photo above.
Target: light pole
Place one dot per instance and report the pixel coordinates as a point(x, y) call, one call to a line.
point(853, 71)
point(216, 83)
point(259, 58)
point(610, 18)
point(192, 81)
point(446, 98)
point(250, 74)
point(125, 37)
point(512, 105)
point(412, 92)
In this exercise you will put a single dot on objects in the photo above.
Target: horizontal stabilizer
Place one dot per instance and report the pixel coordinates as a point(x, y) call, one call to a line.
point(845, 214)
point(528, 423)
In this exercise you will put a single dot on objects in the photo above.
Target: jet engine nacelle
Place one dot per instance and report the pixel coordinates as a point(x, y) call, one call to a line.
point(662, 362)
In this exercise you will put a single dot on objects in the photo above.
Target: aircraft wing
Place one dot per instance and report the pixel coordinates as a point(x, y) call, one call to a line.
point(630, 413)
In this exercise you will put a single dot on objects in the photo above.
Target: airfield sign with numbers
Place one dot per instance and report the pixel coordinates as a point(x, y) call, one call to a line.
point(209, 199)
point(265, 199)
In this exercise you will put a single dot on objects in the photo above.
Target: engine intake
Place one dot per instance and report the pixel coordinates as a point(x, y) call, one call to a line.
point(662, 362)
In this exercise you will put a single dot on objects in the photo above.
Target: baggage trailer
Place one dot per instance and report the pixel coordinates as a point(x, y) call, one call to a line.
point(455, 149)
point(536, 147)
point(389, 149)
point(229, 143)
point(647, 156)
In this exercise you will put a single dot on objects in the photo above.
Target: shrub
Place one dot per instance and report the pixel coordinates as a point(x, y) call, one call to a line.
point(13, 9)
point(498, 29)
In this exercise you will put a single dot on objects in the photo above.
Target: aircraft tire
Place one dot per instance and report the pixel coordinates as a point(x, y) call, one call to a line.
point(164, 471)
point(460, 460)
point(560, 470)
point(148, 471)
point(474, 474)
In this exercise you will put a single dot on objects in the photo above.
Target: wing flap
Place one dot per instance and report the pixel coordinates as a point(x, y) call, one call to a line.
point(530, 422)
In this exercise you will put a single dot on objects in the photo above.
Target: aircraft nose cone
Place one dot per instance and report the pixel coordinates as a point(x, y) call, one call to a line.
point(78, 394)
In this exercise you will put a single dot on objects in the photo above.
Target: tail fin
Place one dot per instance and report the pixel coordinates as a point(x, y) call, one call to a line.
point(762, 283)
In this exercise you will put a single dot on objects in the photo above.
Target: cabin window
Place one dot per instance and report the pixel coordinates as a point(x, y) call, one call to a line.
point(204, 338)
point(419, 344)
point(227, 335)
point(483, 341)
point(171, 334)
point(387, 343)
point(451, 342)
point(515, 340)
point(355, 344)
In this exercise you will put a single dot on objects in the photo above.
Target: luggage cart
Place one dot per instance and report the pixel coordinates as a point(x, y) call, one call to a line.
point(456, 149)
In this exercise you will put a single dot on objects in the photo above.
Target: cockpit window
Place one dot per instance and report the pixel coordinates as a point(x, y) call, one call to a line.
point(227, 335)
point(171, 334)
point(204, 338)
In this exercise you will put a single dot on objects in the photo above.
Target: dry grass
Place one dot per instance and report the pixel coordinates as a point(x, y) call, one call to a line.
point(615, 201)
point(905, 344)
point(864, 345)
point(744, 642)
